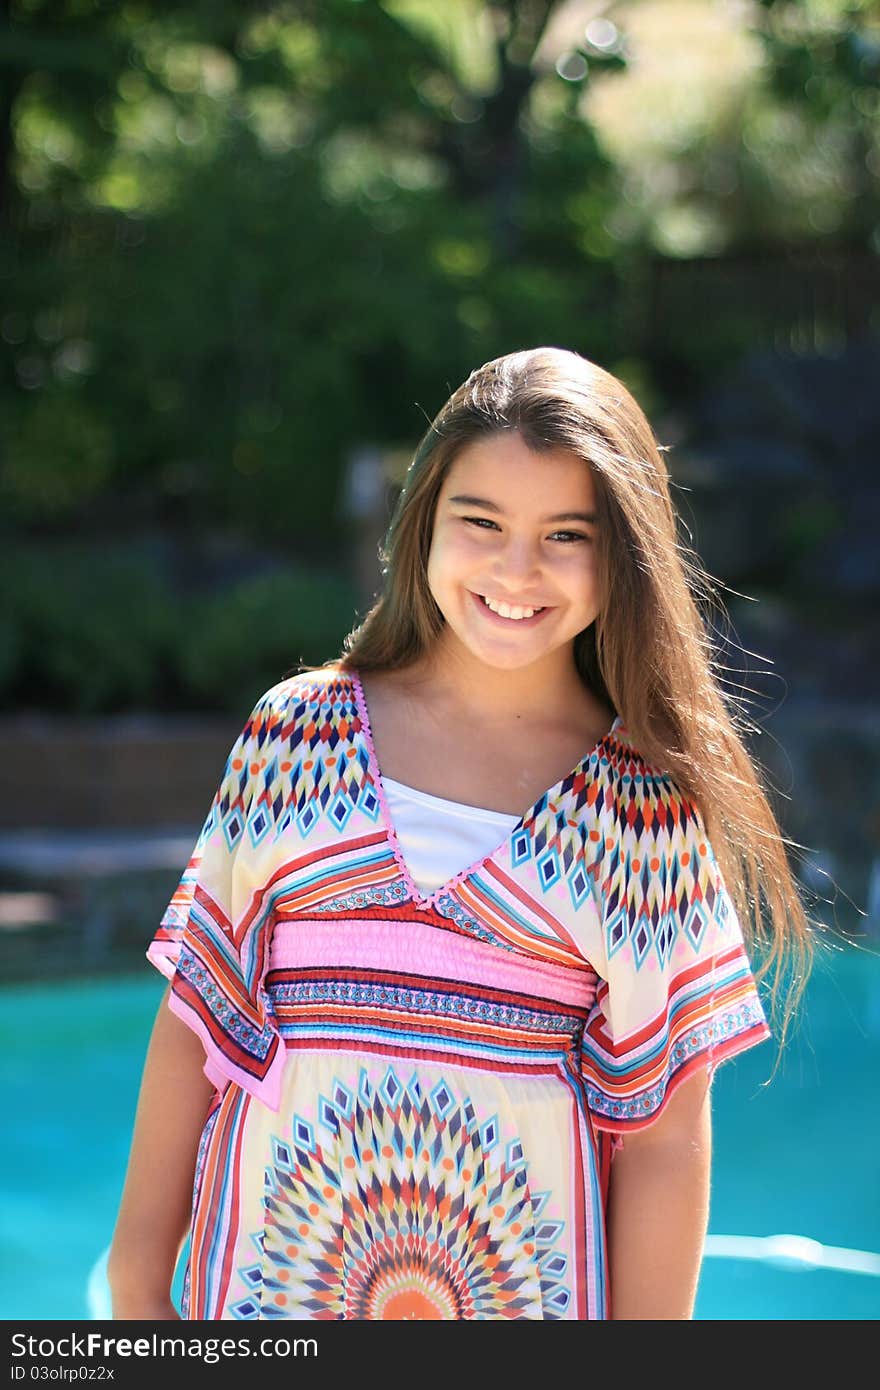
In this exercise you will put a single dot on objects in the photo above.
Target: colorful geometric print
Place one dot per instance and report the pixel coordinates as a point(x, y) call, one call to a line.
point(475, 1007)
point(658, 874)
point(412, 1209)
point(610, 871)
point(295, 764)
point(614, 830)
point(580, 973)
point(311, 766)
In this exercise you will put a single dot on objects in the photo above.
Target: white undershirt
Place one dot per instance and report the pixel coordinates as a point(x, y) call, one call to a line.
point(439, 838)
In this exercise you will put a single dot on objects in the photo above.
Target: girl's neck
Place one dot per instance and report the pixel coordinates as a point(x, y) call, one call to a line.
point(542, 691)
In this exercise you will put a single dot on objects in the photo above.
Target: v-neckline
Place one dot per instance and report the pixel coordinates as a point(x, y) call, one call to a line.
point(431, 900)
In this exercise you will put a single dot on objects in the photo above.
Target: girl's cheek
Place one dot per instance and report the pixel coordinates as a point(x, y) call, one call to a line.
point(579, 561)
point(456, 549)
point(447, 558)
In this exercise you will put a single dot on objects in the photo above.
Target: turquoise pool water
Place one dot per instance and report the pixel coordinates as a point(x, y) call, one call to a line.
point(800, 1157)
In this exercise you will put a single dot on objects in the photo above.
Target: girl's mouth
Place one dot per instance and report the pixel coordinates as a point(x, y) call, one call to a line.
point(510, 614)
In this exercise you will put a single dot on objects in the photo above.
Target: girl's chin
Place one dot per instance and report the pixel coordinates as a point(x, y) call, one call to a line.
point(504, 655)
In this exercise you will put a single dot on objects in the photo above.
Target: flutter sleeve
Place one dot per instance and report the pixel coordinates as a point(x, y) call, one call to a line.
point(676, 990)
point(213, 939)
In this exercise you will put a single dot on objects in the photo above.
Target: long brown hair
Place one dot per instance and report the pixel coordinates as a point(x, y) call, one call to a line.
point(648, 655)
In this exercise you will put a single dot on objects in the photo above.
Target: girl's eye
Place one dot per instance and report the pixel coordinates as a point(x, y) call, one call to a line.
point(566, 537)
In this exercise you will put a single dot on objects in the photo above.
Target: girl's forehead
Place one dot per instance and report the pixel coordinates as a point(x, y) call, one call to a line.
point(504, 465)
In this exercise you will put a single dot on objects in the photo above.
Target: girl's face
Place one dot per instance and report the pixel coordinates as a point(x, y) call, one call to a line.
point(512, 564)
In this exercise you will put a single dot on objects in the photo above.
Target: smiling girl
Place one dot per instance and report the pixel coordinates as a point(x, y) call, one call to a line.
point(464, 935)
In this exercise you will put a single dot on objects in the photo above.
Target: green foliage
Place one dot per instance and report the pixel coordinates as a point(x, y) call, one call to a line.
point(809, 166)
point(57, 456)
point(88, 629)
point(245, 639)
point(94, 629)
point(242, 241)
point(260, 247)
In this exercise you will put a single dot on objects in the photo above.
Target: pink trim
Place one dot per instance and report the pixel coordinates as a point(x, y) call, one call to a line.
point(413, 889)
point(421, 950)
point(214, 1075)
point(418, 897)
point(163, 955)
point(218, 1068)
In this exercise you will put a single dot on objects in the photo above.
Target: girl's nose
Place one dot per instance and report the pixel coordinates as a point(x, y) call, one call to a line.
point(517, 564)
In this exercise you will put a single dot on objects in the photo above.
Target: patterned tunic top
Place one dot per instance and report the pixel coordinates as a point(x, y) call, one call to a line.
point(418, 1097)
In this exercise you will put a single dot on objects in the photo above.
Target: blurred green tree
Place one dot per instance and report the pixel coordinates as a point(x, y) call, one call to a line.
point(241, 242)
point(242, 239)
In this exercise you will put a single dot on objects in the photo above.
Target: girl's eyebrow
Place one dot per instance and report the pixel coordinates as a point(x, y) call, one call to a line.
point(588, 518)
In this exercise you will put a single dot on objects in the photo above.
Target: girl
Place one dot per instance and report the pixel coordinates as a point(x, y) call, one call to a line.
point(426, 1053)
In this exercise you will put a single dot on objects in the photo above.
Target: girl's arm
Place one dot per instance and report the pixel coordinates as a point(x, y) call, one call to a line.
point(155, 1210)
point(658, 1208)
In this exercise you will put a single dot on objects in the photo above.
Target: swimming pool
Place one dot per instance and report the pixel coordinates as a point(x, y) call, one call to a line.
point(800, 1157)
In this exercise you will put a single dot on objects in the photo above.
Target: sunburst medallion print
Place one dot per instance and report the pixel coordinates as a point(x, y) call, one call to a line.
point(414, 1208)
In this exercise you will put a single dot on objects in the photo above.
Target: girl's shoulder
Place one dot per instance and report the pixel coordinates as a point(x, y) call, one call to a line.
point(628, 779)
point(306, 690)
point(308, 701)
point(624, 759)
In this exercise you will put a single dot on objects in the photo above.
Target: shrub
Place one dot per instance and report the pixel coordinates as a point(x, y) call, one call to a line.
point(243, 640)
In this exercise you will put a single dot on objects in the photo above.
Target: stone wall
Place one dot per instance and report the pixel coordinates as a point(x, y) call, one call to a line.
point(123, 772)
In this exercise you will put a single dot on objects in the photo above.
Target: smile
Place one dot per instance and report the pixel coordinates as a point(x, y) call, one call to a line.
point(509, 612)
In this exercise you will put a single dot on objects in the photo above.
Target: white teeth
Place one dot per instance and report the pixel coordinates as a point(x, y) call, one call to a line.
point(505, 610)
